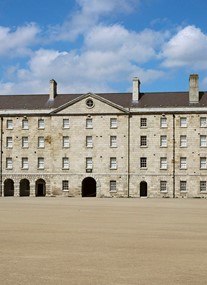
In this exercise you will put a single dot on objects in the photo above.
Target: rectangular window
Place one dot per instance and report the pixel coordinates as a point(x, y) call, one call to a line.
point(183, 163)
point(25, 164)
point(65, 163)
point(41, 124)
point(143, 162)
point(9, 164)
point(113, 163)
point(183, 186)
point(113, 123)
point(89, 163)
point(163, 141)
point(113, 141)
point(89, 123)
point(9, 124)
point(203, 122)
point(143, 140)
point(41, 142)
point(113, 185)
point(143, 122)
point(25, 124)
point(40, 163)
point(163, 186)
point(25, 142)
point(65, 185)
point(163, 162)
point(203, 141)
point(66, 142)
point(89, 141)
point(203, 163)
point(183, 141)
point(65, 123)
point(183, 122)
point(203, 186)
point(163, 122)
point(9, 142)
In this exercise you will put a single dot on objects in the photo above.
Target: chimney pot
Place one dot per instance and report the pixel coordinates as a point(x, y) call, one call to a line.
point(53, 89)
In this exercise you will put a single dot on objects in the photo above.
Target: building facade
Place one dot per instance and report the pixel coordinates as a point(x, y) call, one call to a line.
point(105, 145)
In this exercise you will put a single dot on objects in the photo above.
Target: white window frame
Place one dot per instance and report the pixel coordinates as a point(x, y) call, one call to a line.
point(163, 122)
point(9, 142)
point(203, 185)
point(183, 141)
point(41, 124)
point(25, 142)
point(143, 141)
point(89, 163)
point(113, 123)
point(89, 123)
point(9, 124)
point(113, 141)
point(143, 122)
point(9, 163)
point(25, 124)
point(66, 142)
point(113, 186)
point(66, 124)
point(203, 122)
point(25, 163)
point(183, 163)
point(143, 162)
point(89, 141)
point(41, 142)
point(183, 122)
point(203, 141)
point(203, 163)
point(163, 186)
point(65, 185)
point(113, 163)
point(183, 186)
point(163, 162)
point(40, 163)
point(163, 141)
point(65, 163)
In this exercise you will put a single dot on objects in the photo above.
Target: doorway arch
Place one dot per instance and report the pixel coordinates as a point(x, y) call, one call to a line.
point(40, 188)
point(24, 188)
point(8, 187)
point(143, 189)
point(89, 187)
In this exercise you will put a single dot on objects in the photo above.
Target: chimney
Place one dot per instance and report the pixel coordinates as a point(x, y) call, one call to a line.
point(193, 89)
point(53, 89)
point(136, 90)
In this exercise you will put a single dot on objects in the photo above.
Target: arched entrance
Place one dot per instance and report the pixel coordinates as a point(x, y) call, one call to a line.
point(143, 189)
point(40, 188)
point(8, 187)
point(89, 187)
point(24, 188)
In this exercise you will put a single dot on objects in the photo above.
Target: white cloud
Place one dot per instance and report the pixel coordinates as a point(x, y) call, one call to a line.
point(16, 43)
point(186, 48)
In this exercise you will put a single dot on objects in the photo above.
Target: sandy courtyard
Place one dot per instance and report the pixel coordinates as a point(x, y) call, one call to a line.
point(82, 241)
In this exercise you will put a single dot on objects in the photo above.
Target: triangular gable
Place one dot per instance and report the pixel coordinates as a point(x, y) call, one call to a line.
point(89, 103)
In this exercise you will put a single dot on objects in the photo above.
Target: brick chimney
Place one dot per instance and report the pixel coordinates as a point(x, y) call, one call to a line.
point(53, 89)
point(193, 89)
point(136, 90)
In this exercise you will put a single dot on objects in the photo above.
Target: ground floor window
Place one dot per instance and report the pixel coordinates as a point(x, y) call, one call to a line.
point(113, 186)
point(65, 185)
point(183, 186)
point(203, 186)
point(163, 186)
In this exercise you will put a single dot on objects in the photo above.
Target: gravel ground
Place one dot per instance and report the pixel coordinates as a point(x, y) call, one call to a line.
point(93, 241)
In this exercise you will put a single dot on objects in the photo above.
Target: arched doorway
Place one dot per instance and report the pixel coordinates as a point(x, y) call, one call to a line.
point(143, 189)
point(24, 188)
point(8, 187)
point(89, 187)
point(40, 188)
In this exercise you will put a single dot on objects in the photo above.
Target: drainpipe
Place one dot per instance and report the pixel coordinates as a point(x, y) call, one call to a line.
point(173, 155)
point(1, 153)
point(128, 150)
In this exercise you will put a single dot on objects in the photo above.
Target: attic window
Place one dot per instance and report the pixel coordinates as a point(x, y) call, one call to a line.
point(89, 103)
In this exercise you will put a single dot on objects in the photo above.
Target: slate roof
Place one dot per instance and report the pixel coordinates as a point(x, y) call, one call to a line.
point(147, 100)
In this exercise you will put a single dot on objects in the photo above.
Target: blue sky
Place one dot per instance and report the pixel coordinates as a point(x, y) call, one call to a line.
point(100, 45)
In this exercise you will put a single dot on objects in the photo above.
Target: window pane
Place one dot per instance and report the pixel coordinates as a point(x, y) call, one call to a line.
point(163, 141)
point(113, 123)
point(183, 186)
point(163, 162)
point(9, 142)
point(163, 122)
point(203, 122)
point(25, 142)
point(89, 163)
point(9, 163)
point(143, 122)
point(143, 141)
point(41, 142)
point(113, 163)
point(25, 124)
point(40, 164)
point(183, 163)
point(65, 185)
point(113, 141)
point(89, 141)
point(143, 162)
point(25, 163)
point(113, 185)
point(203, 163)
point(202, 186)
point(65, 123)
point(183, 122)
point(163, 186)
point(203, 141)
point(89, 123)
point(41, 124)
point(9, 124)
point(183, 141)
point(66, 141)
point(65, 163)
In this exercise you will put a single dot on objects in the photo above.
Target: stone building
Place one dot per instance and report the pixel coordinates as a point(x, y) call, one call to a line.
point(103, 145)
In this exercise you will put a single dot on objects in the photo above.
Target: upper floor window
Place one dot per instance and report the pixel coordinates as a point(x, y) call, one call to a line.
point(163, 122)
point(203, 164)
point(113, 123)
point(65, 185)
point(113, 185)
point(9, 124)
point(65, 123)
point(40, 163)
point(143, 122)
point(203, 141)
point(163, 141)
point(25, 142)
point(203, 122)
point(41, 124)
point(113, 141)
point(66, 142)
point(203, 186)
point(163, 163)
point(41, 142)
point(89, 141)
point(183, 141)
point(89, 103)
point(113, 163)
point(89, 163)
point(143, 162)
point(9, 142)
point(89, 123)
point(163, 186)
point(25, 124)
point(183, 163)
point(65, 163)
point(183, 122)
point(25, 164)
point(9, 163)
point(143, 140)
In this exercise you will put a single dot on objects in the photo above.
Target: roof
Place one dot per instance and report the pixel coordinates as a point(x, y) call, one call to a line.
point(147, 100)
